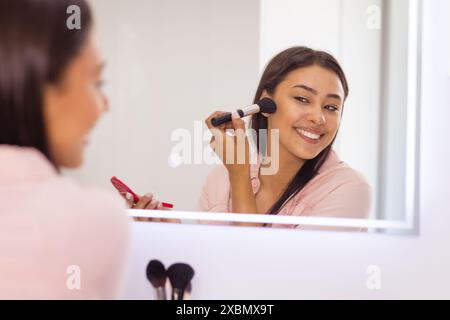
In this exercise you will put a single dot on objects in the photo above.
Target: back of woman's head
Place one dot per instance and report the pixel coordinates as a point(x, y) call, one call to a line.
point(35, 48)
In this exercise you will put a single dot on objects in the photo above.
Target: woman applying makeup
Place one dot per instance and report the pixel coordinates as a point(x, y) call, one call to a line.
point(309, 88)
point(58, 240)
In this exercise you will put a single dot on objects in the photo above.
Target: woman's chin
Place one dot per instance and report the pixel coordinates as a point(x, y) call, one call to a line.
point(307, 153)
point(71, 162)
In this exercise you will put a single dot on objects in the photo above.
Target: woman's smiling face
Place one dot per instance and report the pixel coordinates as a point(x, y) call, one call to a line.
point(309, 108)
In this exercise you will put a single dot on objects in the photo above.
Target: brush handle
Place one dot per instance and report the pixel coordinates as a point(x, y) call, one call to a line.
point(160, 293)
point(177, 294)
point(217, 121)
point(187, 292)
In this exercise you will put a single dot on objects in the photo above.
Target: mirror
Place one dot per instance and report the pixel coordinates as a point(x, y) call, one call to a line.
point(172, 63)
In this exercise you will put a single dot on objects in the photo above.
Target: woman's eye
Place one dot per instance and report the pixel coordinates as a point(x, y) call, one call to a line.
point(99, 84)
point(302, 99)
point(331, 108)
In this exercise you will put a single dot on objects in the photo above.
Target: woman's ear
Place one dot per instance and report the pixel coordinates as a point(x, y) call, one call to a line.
point(265, 94)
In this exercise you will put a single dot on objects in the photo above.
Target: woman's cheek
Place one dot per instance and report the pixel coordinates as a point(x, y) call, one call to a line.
point(333, 123)
point(96, 105)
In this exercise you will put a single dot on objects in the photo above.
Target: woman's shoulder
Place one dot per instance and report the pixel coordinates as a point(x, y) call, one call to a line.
point(337, 191)
point(30, 182)
point(336, 177)
point(61, 209)
point(339, 172)
point(94, 210)
point(101, 201)
point(52, 216)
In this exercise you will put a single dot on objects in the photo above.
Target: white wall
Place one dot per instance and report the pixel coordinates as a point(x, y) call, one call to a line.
point(261, 263)
point(286, 23)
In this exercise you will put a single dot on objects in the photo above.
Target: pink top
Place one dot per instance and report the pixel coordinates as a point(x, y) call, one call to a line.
point(336, 191)
point(49, 224)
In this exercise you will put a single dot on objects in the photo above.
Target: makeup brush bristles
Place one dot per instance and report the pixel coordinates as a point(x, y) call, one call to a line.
point(267, 105)
point(156, 274)
point(180, 275)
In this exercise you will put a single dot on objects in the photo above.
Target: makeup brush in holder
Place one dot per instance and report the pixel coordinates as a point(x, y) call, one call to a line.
point(180, 276)
point(156, 274)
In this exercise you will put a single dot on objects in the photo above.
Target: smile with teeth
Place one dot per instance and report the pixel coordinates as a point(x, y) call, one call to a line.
point(307, 134)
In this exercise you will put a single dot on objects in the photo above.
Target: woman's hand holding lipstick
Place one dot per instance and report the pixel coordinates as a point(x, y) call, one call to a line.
point(145, 202)
point(148, 202)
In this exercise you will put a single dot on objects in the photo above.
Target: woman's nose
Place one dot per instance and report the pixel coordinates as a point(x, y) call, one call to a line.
point(316, 115)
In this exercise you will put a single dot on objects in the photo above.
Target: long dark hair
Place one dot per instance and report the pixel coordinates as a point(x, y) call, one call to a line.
point(36, 46)
point(275, 72)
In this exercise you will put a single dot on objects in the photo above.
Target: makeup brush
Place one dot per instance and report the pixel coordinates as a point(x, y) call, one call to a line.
point(265, 105)
point(156, 274)
point(180, 274)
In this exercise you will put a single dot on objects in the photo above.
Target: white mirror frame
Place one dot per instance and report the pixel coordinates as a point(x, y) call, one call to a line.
point(412, 162)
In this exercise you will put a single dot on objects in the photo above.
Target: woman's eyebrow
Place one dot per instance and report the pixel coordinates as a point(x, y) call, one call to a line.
point(314, 91)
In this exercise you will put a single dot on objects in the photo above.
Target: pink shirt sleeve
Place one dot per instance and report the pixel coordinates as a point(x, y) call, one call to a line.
point(215, 191)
